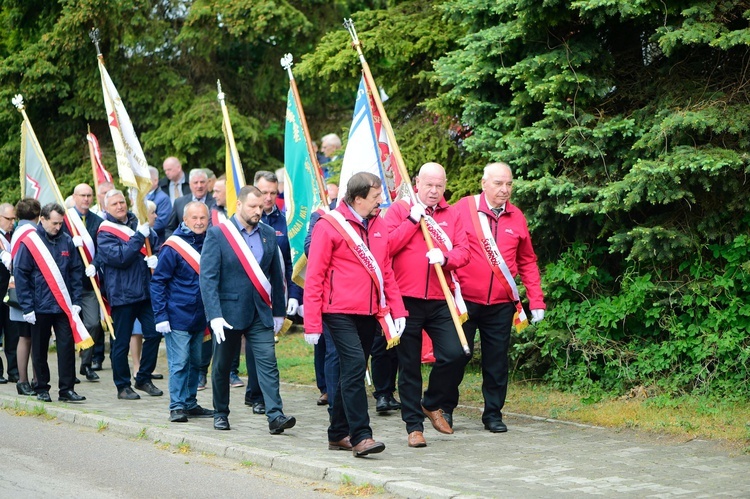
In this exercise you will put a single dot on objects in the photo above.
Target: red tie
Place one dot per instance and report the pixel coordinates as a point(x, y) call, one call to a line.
point(7, 236)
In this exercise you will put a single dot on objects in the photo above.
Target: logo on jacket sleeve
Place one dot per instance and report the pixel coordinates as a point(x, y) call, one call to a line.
point(509, 231)
point(377, 234)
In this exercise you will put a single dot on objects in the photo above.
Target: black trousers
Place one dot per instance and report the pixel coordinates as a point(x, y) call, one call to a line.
point(495, 324)
point(384, 366)
point(10, 341)
point(434, 317)
point(353, 335)
point(66, 359)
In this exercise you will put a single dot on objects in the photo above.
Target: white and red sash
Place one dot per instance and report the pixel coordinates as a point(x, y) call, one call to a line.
point(122, 231)
point(217, 217)
point(74, 219)
point(495, 260)
point(56, 283)
point(19, 235)
point(366, 258)
point(247, 260)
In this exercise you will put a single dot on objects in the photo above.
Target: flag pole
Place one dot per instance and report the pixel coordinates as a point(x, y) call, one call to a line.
point(286, 63)
point(18, 102)
point(93, 162)
point(370, 82)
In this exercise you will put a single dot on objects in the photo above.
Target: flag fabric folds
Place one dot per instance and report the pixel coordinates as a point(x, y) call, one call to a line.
point(101, 174)
point(301, 192)
point(368, 148)
point(235, 175)
point(132, 166)
point(37, 180)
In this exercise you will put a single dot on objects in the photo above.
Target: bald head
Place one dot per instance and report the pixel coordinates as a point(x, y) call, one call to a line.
point(83, 196)
point(431, 184)
point(172, 168)
point(497, 184)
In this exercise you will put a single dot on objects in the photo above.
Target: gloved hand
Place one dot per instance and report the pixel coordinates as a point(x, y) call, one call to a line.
point(312, 339)
point(416, 212)
point(435, 255)
point(7, 259)
point(144, 229)
point(77, 241)
point(163, 327)
point(400, 324)
point(291, 306)
point(537, 315)
point(90, 271)
point(76, 309)
point(301, 311)
point(217, 326)
point(30, 317)
point(151, 261)
point(278, 322)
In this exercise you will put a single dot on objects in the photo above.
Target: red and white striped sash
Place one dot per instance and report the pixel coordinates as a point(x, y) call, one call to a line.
point(74, 219)
point(183, 248)
point(247, 260)
point(122, 231)
point(217, 217)
point(19, 235)
point(56, 283)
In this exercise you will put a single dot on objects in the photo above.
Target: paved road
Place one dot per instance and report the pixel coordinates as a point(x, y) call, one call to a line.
point(536, 458)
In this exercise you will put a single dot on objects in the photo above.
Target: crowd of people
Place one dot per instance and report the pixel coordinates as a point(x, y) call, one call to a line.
point(376, 286)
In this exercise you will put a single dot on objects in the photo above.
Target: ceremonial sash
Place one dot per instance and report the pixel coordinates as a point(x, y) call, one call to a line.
point(247, 260)
point(217, 217)
point(74, 219)
point(495, 260)
point(56, 283)
point(122, 231)
point(193, 258)
point(19, 235)
point(445, 244)
point(366, 258)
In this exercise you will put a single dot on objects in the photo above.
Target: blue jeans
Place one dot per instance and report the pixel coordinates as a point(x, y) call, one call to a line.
point(183, 358)
point(123, 317)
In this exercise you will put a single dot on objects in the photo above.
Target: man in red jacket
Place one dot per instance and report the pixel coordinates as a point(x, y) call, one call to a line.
point(425, 300)
point(350, 286)
point(500, 250)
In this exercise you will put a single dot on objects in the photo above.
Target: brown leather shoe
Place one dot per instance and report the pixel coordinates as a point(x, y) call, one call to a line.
point(323, 399)
point(343, 444)
point(438, 421)
point(416, 439)
point(367, 446)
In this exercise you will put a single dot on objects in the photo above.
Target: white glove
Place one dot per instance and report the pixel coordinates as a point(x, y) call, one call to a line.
point(76, 309)
point(163, 327)
point(90, 271)
point(144, 229)
point(30, 317)
point(435, 255)
point(312, 339)
point(301, 311)
point(537, 315)
point(7, 259)
point(77, 241)
point(292, 306)
point(400, 324)
point(278, 322)
point(151, 261)
point(416, 212)
point(217, 326)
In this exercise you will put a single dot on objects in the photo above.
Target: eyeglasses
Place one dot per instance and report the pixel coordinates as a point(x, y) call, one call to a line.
point(11, 219)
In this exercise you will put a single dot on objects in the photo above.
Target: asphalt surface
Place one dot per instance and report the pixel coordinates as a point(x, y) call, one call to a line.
point(535, 458)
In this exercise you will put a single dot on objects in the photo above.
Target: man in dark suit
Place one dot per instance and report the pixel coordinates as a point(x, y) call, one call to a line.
point(198, 192)
point(243, 293)
point(162, 202)
point(7, 217)
point(174, 184)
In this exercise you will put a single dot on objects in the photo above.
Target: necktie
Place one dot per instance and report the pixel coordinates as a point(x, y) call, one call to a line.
point(364, 222)
point(497, 211)
point(7, 236)
point(429, 211)
point(177, 192)
point(83, 219)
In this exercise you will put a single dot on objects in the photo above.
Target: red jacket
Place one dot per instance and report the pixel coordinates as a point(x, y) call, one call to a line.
point(478, 282)
point(337, 283)
point(415, 276)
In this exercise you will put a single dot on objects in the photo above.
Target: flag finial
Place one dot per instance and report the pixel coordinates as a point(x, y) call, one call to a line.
point(286, 63)
point(17, 101)
point(220, 94)
point(349, 25)
point(95, 39)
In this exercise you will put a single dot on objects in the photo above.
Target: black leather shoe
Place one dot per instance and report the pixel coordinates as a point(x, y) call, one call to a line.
point(259, 408)
point(96, 366)
point(199, 412)
point(24, 388)
point(149, 388)
point(89, 373)
point(127, 393)
point(381, 404)
point(496, 427)
point(70, 396)
point(77, 381)
point(43, 396)
point(221, 423)
point(13, 378)
point(177, 416)
point(280, 424)
point(157, 376)
point(3, 381)
point(393, 404)
point(448, 418)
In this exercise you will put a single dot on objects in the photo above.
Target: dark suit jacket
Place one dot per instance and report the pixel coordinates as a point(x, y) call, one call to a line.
point(179, 206)
point(93, 221)
point(227, 290)
point(164, 186)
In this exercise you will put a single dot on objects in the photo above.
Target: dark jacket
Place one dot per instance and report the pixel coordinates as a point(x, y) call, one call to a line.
point(34, 294)
point(164, 186)
point(175, 218)
point(163, 212)
point(227, 290)
point(93, 221)
point(125, 278)
point(175, 286)
point(277, 221)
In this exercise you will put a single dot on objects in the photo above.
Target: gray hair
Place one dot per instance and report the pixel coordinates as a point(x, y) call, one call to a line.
point(331, 138)
point(196, 172)
point(190, 205)
point(491, 166)
point(112, 193)
point(154, 172)
point(265, 174)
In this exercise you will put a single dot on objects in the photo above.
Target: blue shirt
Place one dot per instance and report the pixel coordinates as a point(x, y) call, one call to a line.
point(252, 239)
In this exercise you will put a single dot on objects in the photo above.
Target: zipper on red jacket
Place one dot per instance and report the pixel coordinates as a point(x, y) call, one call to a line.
point(427, 281)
